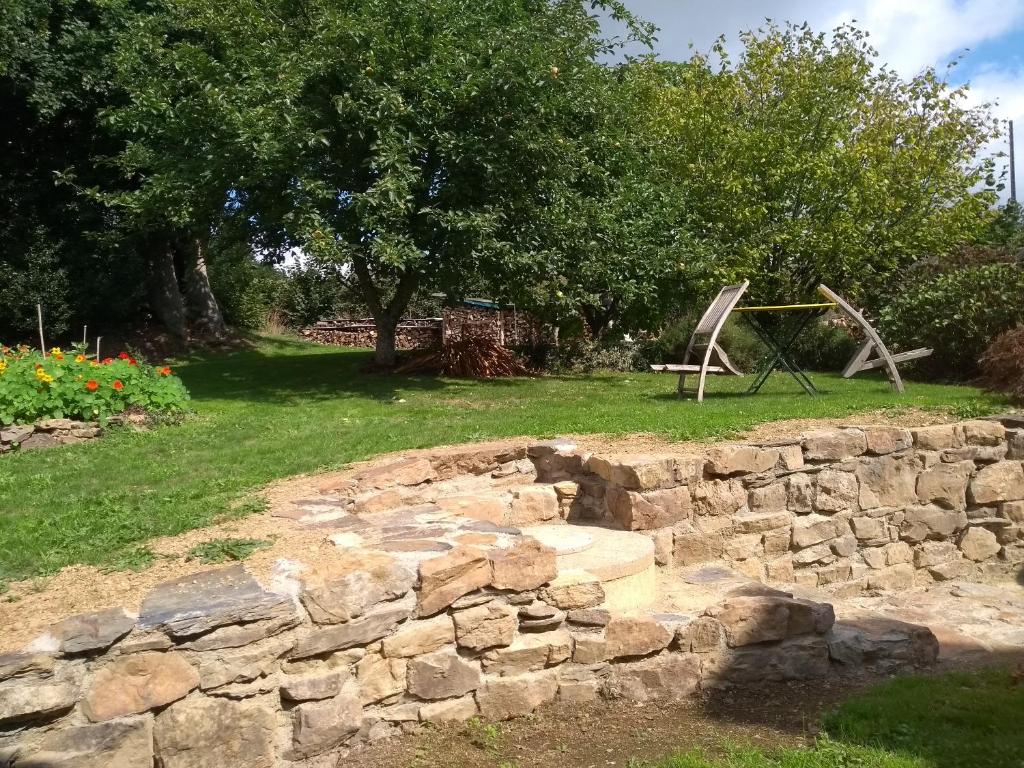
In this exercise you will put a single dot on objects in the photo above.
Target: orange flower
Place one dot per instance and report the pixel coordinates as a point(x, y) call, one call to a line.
point(117, 385)
point(165, 371)
point(58, 356)
point(79, 358)
point(108, 360)
point(91, 385)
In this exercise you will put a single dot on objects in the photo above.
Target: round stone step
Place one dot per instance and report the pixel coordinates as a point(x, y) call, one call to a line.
point(612, 554)
point(564, 539)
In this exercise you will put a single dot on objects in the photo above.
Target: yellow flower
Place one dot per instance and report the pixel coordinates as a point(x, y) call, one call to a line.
point(3, 366)
point(79, 358)
point(55, 351)
point(43, 376)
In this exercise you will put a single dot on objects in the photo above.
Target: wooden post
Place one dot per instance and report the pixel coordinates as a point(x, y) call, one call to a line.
point(42, 341)
point(98, 348)
point(85, 334)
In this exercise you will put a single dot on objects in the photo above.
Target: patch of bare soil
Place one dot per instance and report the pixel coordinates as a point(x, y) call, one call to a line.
point(31, 606)
point(605, 734)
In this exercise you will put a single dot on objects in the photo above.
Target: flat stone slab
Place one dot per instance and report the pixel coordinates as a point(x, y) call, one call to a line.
point(564, 539)
point(198, 603)
point(711, 574)
point(613, 554)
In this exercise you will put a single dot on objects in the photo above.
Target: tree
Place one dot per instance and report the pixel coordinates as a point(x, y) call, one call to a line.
point(391, 135)
point(808, 161)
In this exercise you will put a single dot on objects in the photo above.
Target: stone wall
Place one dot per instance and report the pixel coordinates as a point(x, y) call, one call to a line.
point(47, 433)
point(217, 670)
point(863, 508)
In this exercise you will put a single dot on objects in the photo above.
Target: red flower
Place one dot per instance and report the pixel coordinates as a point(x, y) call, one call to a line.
point(123, 356)
point(58, 356)
point(132, 361)
point(118, 385)
point(165, 371)
point(91, 385)
point(108, 360)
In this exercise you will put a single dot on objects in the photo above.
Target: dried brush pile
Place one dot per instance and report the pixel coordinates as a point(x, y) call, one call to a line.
point(471, 357)
point(1002, 364)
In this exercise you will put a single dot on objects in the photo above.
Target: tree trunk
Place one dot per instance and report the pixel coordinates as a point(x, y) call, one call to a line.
point(206, 316)
point(384, 353)
point(164, 295)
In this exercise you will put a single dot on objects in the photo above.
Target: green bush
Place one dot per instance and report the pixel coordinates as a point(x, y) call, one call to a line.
point(70, 386)
point(582, 355)
point(957, 314)
point(248, 291)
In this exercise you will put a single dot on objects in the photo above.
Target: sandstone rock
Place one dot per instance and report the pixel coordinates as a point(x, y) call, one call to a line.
point(573, 590)
point(844, 546)
point(647, 511)
point(983, 432)
point(800, 493)
point(635, 636)
point(530, 653)
point(527, 564)
point(240, 665)
point(137, 683)
point(744, 546)
point(442, 675)
point(501, 698)
point(344, 590)
point(664, 544)
point(778, 541)
point(882, 643)
point(869, 529)
point(313, 687)
point(834, 445)
point(768, 500)
point(380, 678)
point(883, 439)
point(729, 460)
point(36, 441)
point(945, 485)
point(780, 570)
point(24, 702)
point(16, 433)
point(953, 569)
point(451, 711)
point(930, 553)
point(319, 726)
point(126, 743)
point(979, 544)
point(412, 471)
point(791, 457)
point(936, 438)
point(375, 502)
point(836, 491)
point(692, 547)
point(589, 648)
point(376, 624)
point(1011, 510)
point(234, 636)
point(898, 552)
point(797, 658)
point(819, 553)
point(888, 481)
point(764, 521)
point(486, 626)
point(88, 632)
point(25, 664)
point(999, 482)
point(892, 579)
point(579, 691)
point(636, 473)
point(210, 733)
point(533, 504)
point(718, 497)
point(1015, 444)
point(982, 454)
point(590, 617)
point(448, 577)
point(706, 634)
point(419, 637)
point(758, 619)
point(920, 523)
point(813, 529)
point(490, 507)
point(667, 676)
point(197, 603)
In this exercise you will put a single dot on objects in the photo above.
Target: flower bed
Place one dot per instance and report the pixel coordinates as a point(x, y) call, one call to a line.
point(69, 385)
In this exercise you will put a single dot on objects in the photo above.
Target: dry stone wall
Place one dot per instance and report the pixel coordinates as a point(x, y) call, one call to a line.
point(46, 434)
point(857, 509)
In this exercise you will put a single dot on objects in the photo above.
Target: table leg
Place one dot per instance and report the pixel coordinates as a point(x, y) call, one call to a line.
point(779, 355)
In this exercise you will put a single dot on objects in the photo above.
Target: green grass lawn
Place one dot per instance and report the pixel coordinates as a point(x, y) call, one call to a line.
point(286, 407)
point(964, 720)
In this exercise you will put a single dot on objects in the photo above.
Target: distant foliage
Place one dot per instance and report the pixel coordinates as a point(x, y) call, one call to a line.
point(1002, 364)
point(69, 385)
point(957, 314)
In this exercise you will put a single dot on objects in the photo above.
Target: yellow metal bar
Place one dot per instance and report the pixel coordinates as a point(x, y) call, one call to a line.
point(786, 307)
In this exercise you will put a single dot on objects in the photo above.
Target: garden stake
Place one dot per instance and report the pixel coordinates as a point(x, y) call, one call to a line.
point(42, 341)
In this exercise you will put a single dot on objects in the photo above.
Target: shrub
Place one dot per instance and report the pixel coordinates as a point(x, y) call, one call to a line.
point(1002, 364)
point(582, 355)
point(249, 292)
point(957, 314)
point(69, 385)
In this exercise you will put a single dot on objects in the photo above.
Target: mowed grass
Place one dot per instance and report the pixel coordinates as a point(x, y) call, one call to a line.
point(285, 407)
point(962, 720)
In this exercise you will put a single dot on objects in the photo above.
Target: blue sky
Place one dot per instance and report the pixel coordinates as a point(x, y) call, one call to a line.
point(988, 35)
